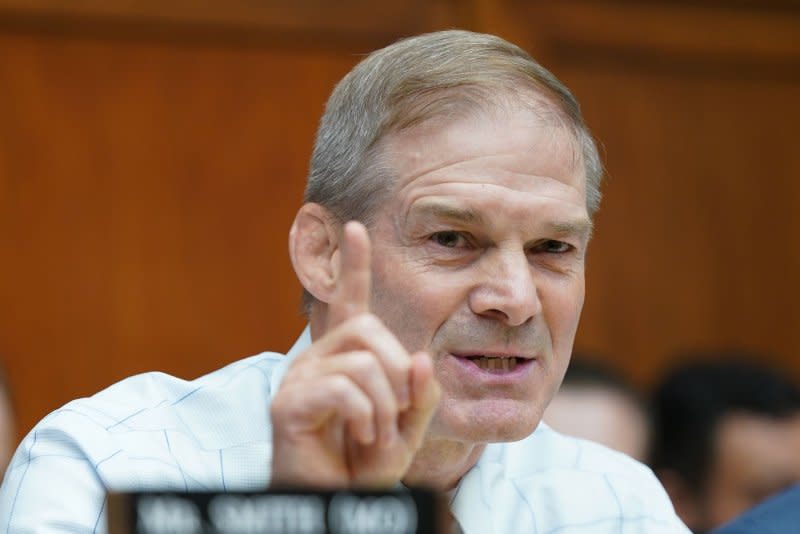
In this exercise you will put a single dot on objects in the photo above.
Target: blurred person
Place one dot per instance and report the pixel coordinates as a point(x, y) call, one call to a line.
point(441, 247)
point(726, 436)
point(595, 402)
point(779, 514)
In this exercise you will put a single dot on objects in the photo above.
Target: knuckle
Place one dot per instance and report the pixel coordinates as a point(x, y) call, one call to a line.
point(386, 411)
point(293, 374)
point(339, 387)
point(364, 362)
point(345, 395)
point(299, 368)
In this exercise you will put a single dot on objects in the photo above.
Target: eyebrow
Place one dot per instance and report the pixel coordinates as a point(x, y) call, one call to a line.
point(450, 212)
point(578, 227)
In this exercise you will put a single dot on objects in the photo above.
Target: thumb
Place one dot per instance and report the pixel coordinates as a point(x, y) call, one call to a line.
point(425, 393)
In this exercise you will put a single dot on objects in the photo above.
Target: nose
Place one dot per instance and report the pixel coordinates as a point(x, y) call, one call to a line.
point(506, 290)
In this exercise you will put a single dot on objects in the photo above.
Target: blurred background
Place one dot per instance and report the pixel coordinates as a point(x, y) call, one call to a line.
point(153, 153)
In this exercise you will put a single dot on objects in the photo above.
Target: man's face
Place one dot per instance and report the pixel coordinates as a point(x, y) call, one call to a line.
point(754, 457)
point(478, 257)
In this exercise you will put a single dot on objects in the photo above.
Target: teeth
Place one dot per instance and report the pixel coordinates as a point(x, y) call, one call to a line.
point(488, 363)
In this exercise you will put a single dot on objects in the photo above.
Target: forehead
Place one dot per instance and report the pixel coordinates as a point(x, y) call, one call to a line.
point(512, 148)
point(752, 431)
point(759, 445)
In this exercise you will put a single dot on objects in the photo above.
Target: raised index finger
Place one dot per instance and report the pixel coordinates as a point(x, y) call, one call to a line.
point(351, 295)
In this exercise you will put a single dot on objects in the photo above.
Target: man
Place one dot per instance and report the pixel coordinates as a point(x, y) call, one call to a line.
point(440, 323)
point(726, 436)
point(594, 402)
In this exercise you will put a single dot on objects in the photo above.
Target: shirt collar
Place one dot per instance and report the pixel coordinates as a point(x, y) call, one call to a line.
point(302, 343)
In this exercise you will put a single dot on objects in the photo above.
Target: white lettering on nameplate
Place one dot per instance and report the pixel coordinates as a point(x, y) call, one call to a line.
point(388, 514)
point(288, 514)
point(168, 515)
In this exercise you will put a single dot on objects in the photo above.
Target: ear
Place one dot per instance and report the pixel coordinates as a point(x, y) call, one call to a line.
point(314, 250)
point(683, 498)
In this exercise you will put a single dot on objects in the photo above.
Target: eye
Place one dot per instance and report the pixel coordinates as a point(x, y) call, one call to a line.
point(449, 239)
point(552, 246)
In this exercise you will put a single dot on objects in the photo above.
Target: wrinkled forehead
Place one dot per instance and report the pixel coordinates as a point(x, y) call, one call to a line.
point(445, 115)
point(522, 137)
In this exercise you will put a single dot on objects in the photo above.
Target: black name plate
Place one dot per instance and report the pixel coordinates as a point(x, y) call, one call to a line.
point(279, 512)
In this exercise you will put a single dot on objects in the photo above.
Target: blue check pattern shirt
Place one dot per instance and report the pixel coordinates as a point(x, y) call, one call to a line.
point(157, 432)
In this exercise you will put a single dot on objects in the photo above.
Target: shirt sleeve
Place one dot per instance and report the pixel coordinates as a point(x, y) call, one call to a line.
point(51, 486)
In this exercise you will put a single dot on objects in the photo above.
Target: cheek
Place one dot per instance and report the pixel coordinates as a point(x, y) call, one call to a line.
point(413, 303)
point(562, 304)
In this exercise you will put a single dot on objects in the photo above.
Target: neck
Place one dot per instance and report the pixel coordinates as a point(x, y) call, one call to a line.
point(316, 321)
point(440, 464)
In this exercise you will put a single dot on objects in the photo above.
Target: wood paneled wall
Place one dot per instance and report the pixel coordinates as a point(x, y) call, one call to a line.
point(152, 157)
point(696, 106)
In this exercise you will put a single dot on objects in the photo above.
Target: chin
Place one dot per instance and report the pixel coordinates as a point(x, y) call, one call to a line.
point(486, 424)
point(505, 434)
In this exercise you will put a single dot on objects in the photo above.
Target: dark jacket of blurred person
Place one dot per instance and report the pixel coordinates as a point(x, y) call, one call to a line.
point(726, 437)
point(779, 514)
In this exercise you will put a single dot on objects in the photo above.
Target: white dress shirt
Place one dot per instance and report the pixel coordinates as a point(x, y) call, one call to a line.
point(157, 432)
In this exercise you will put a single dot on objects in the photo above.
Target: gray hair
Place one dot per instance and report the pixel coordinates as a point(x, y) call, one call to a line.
point(420, 78)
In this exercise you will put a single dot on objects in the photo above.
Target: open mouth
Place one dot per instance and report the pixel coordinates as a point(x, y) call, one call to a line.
point(496, 364)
